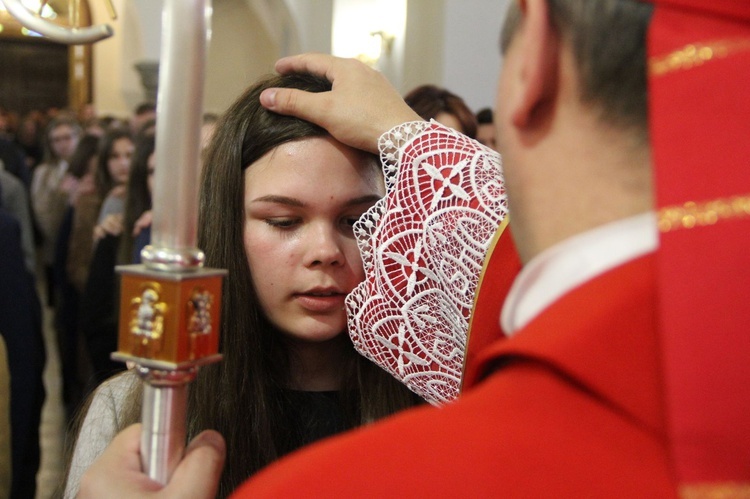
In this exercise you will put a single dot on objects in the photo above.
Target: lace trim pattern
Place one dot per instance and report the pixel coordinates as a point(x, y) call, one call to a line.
point(392, 142)
point(423, 247)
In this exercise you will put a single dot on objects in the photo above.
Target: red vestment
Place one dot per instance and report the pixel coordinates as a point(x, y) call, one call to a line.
point(571, 406)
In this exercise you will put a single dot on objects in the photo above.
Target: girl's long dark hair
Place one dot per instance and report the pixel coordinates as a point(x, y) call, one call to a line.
point(430, 100)
point(138, 198)
point(87, 148)
point(242, 396)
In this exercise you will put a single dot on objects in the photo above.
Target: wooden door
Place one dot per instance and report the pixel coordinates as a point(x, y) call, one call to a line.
point(33, 74)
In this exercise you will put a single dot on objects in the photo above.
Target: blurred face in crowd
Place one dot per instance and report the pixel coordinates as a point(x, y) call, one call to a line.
point(64, 140)
point(450, 121)
point(151, 165)
point(118, 162)
point(486, 135)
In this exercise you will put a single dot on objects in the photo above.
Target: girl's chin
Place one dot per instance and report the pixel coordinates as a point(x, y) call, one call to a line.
point(317, 336)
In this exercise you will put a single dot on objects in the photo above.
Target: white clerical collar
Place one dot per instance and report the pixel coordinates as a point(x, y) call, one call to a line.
point(570, 263)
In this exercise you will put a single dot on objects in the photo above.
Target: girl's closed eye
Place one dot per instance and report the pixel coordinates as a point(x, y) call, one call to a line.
point(282, 223)
point(348, 221)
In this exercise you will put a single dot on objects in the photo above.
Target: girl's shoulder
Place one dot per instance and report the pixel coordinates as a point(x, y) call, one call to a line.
point(99, 426)
point(115, 390)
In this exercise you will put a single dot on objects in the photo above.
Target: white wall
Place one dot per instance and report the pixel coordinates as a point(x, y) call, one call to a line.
point(116, 84)
point(472, 56)
point(423, 50)
point(241, 50)
point(149, 16)
point(451, 43)
point(314, 22)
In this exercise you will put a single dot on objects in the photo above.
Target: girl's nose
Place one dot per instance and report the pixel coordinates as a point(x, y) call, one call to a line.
point(324, 247)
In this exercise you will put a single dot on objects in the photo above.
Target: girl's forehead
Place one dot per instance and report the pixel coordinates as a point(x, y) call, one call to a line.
point(316, 166)
point(309, 157)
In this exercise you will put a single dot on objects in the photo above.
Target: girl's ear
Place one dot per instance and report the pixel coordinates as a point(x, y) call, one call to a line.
point(537, 76)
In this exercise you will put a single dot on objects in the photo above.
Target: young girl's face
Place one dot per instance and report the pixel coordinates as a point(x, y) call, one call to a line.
point(301, 200)
point(118, 162)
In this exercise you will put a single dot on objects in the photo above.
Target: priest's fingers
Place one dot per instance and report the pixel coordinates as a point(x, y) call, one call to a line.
point(117, 473)
point(361, 106)
point(197, 475)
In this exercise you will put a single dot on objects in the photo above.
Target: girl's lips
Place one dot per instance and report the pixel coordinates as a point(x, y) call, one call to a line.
point(321, 303)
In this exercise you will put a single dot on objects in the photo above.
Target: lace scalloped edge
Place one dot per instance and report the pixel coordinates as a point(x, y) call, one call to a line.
point(392, 142)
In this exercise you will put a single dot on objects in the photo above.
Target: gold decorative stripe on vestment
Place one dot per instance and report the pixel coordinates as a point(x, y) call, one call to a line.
point(722, 490)
point(495, 238)
point(695, 54)
point(692, 214)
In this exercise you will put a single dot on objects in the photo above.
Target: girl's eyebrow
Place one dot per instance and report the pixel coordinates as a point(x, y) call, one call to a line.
point(272, 198)
point(289, 201)
point(368, 199)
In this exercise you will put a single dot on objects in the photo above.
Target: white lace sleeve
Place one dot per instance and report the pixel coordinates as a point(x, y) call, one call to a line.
point(99, 427)
point(423, 246)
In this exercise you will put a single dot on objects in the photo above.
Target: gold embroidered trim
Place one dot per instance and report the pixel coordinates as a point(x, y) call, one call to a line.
point(695, 54)
point(691, 214)
point(721, 490)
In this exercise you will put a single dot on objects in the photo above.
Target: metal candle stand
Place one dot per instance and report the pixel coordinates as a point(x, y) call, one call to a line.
point(169, 307)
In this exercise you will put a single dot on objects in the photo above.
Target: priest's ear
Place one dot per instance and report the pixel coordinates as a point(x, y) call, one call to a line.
point(533, 56)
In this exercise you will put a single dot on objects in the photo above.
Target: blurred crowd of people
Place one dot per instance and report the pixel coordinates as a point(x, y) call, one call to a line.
point(75, 200)
point(64, 179)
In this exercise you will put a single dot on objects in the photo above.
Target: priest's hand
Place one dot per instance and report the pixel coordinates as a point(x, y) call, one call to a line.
point(117, 473)
point(361, 106)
